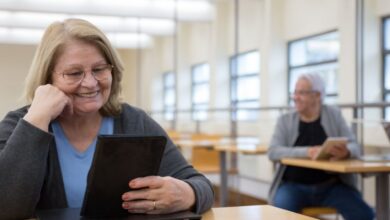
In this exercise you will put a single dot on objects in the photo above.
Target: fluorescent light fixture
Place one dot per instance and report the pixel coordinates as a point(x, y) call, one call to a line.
point(33, 37)
point(152, 26)
point(130, 40)
point(123, 19)
point(187, 10)
point(20, 36)
point(162, 27)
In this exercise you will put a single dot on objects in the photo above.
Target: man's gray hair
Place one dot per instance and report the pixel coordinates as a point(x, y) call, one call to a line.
point(316, 81)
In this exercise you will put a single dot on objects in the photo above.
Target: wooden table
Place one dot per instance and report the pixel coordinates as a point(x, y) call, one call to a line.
point(195, 143)
point(244, 146)
point(259, 212)
point(380, 169)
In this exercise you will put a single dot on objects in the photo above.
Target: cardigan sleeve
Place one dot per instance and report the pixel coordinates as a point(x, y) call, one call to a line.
point(280, 146)
point(23, 153)
point(339, 128)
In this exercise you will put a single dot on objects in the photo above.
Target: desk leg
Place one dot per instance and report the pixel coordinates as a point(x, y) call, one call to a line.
point(223, 191)
point(382, 196)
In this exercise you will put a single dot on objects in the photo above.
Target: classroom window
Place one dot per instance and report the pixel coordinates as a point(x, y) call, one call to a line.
point(169, 95)
point(245, 84)
point(200, 75)
point(386, 63)
point(315, 54)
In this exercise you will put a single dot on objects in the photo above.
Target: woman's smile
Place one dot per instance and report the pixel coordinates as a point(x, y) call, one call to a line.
point(91, 94)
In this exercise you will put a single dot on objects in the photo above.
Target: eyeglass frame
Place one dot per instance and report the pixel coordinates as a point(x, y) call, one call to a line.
point(106, 67)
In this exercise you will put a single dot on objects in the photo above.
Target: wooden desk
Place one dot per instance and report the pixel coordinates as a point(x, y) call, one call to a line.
point(244, 148)
point(223, 142)
point(259, 212)
point(380, 169)
point(198, 143)
point(223, 146)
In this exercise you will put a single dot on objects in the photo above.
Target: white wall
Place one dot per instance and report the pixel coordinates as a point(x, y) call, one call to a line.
point(323, 16)
point(15, 62)
point(130, 76)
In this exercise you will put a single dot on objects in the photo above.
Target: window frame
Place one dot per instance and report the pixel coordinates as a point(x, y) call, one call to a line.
point(384, 52)
point(169, 108)
point(291, 68)
point(234, 78)
point(195, 84)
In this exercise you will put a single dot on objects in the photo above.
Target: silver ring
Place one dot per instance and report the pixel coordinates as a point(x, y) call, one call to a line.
point(154, 205)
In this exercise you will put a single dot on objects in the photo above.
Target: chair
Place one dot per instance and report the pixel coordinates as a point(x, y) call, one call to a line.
point(205, 159)
point(318, 211)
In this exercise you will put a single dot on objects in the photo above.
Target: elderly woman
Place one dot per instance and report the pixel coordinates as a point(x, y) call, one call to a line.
point(300, 134)
point(46, 148)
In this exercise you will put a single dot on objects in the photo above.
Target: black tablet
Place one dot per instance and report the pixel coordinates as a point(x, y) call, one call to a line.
point(117, 160)
point(74, 214)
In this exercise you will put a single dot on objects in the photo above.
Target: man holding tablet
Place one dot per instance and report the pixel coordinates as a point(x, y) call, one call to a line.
point(302, 133)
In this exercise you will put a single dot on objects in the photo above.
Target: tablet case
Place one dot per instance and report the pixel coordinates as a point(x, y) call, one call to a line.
point(74, 214)
point(329, 142)
point(117, 160)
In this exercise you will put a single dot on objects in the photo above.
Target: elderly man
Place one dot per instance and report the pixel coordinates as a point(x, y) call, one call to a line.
point(300, 134)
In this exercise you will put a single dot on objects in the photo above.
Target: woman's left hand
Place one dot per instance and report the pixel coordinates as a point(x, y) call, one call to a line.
point(157, 195)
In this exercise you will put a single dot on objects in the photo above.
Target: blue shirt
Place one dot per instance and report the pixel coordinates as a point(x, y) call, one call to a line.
point(75, 165)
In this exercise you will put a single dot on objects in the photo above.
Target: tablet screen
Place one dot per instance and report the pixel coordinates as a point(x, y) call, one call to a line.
point(117, 160)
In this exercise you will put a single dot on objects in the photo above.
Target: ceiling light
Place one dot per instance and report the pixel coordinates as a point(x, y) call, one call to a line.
point(122, 20)
point(187, 10)
point(33, 37)
point(106, 23)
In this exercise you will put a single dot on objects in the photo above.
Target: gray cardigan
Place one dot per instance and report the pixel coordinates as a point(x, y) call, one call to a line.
point(286, 133)
point(31, 179)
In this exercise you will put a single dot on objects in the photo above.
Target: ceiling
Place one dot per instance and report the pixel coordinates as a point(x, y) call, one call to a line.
point(128, 23)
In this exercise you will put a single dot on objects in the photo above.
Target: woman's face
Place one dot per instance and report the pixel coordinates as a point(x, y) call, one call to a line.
point(88, 95)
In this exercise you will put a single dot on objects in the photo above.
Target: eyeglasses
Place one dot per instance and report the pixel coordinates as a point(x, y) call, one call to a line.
point(303, 92)
point(101, 72)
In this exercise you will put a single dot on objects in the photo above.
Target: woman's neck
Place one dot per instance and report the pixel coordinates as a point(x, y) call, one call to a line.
point(81, 130)
point(81, 122)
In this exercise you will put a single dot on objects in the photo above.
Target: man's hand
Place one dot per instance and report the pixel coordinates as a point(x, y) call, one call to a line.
point(338, 152)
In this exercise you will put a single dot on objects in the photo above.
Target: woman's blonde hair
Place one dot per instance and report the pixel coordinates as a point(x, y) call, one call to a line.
point(51, 47)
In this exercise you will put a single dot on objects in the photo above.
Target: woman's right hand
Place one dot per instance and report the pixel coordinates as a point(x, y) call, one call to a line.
point(48, 103)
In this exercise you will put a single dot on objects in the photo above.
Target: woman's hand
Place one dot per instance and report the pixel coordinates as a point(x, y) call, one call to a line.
point(156, 195)
point(48, 103)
